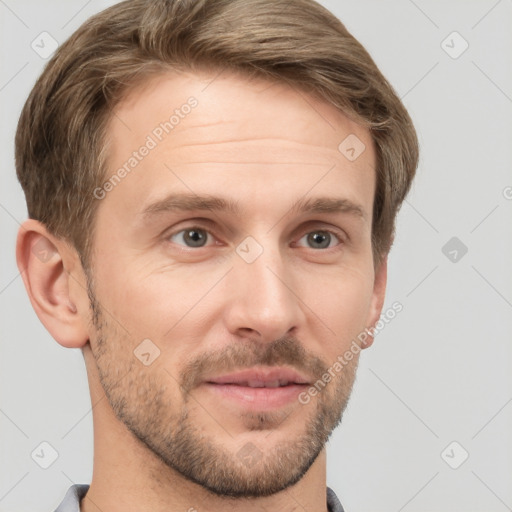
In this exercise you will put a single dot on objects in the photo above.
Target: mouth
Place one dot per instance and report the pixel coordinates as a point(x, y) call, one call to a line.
point(259, 389)
point(258, 383)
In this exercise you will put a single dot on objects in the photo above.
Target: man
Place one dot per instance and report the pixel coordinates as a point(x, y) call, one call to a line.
point(213, 185)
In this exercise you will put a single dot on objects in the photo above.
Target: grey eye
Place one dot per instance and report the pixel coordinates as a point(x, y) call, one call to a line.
point(191, 237)
point(320, 239)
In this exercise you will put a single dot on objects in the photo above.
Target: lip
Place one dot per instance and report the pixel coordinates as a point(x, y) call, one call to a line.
point(233, 388)
point(262, 375)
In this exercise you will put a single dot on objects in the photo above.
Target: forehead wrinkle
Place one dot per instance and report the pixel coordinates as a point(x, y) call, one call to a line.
point(255, 140)
point(238, 162)
point(201, 135)
point(250, 150)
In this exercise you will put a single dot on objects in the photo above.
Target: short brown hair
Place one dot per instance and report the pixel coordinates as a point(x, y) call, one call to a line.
point(60, 140)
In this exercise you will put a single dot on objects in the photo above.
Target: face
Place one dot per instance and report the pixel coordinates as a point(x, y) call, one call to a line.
point(231, 267)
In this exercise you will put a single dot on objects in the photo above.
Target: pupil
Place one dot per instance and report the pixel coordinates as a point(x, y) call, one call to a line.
point(320, 238)
point(196, 237)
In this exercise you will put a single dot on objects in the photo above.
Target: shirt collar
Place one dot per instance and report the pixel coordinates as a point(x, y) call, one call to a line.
point(71, 501)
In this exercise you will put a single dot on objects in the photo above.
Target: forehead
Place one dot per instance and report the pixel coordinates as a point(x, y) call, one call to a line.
point(222, 132)
point(228, 99)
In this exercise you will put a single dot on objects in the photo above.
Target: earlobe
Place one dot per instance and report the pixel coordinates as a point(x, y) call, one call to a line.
point(377, 301)
point(41, 261)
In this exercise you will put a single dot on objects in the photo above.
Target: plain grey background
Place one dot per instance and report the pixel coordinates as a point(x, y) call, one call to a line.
point(428, 426)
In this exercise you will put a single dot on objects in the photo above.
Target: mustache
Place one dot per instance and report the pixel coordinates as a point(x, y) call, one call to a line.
point(286, 351)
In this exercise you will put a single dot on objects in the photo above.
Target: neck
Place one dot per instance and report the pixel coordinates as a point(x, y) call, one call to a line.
point(129, 477)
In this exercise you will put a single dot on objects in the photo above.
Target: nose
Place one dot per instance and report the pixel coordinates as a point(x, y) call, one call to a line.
point(264, 303)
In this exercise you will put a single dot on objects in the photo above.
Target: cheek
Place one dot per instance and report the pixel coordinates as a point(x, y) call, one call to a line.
point(353, 301)
point(160, 307)
point(341, 304)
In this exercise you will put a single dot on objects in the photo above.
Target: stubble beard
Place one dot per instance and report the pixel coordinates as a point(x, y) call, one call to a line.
point(140, 400)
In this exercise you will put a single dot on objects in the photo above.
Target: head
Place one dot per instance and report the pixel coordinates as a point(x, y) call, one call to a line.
point(216, 183)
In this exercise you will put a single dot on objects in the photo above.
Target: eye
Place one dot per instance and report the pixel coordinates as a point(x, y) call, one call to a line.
point(191, 237)
point(321, 239)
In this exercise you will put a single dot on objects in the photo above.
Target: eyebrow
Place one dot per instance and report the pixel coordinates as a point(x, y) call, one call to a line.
point(191, 202)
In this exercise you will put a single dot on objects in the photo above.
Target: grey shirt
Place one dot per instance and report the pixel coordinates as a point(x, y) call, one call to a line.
point(71, 502)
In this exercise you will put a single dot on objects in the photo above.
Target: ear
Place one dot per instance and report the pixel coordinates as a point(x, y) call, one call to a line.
point(45, 263)
point(377, 300)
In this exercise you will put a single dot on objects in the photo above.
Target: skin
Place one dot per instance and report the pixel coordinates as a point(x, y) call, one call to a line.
point(210, 312)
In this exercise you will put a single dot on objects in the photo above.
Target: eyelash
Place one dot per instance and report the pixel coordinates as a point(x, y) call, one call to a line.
point(207, 230)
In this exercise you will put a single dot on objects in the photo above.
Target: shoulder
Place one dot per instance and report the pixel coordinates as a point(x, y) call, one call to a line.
point(71, 501)
point(333, 503)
